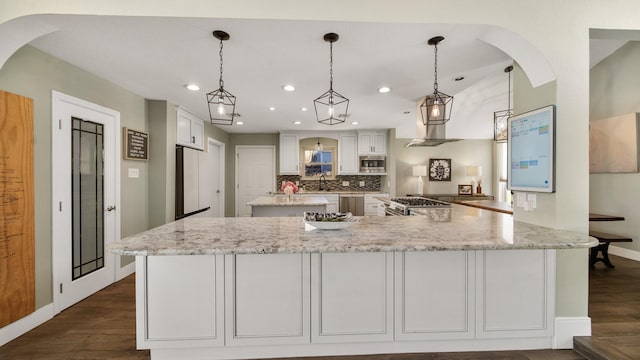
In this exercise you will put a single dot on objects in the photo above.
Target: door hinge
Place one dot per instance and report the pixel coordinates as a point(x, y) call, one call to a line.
point(59, 124)
point(60, 206)
point(60, 288)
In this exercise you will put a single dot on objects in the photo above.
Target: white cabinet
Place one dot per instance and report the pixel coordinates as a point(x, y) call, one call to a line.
point(434, 295)
point(189, 130)
point(373, 206)
point(289, 154)
point(332, 201)
point(531, 286)
point(352, 297)
point(267, 299)
point(347, 154)
point(184, 299)
point(372, 143)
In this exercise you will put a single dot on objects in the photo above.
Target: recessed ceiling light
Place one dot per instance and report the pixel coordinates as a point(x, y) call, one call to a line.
point(407, 112)
point(288, 87)
point(354, 123)
point(272, 108)
point(297, 122)
point(384, 89)
point(458, 78)
point(192, 87)
point(239, 123)
point(303, 109)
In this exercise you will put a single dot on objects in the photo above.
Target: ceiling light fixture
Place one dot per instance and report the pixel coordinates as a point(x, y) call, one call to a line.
point(303, 109)
point(222, 104)
point(192, 87)
point(239, 123)
point(297, 122)
point(354, 123)
point(271, 108)
point(436, 108)
point(384, 89)
point(319, 146)
point(288, 87)
point(329, 106)
point(501, 118)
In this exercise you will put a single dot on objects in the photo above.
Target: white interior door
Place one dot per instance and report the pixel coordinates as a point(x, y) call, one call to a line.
point(211, 182)
point(85, 198)
point(255, 175)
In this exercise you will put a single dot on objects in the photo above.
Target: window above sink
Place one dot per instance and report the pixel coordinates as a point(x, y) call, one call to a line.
point(318, 162)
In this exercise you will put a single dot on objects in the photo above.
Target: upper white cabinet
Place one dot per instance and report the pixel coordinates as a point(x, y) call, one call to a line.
point(189, 130)
point(348, 154)
point(289, 154)
point(372, 143)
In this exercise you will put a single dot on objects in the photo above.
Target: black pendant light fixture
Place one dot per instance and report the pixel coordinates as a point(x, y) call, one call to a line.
point(222, 104)
point(436, 107)
point(319, 146)
point(501, 118)
point(331, 107)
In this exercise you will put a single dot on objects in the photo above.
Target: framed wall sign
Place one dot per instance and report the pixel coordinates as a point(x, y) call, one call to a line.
point(439, 169)
point(136, 144)
point(465, 190)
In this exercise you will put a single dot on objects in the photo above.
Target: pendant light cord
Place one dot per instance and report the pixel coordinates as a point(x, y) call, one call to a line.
point(509, 94)
point(435, 70)
point(331, 66)
point(221, 82)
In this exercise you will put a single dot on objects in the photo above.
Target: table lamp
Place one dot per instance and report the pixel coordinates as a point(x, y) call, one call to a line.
point(474, 171)
point(420, 171)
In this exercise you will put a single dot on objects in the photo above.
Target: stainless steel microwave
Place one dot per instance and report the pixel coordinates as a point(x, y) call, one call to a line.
point(373, 164)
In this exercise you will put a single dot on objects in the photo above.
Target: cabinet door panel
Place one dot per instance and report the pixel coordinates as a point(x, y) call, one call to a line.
point(435, 295)
point(501, 311)
point(289, 155)
point(352, 297)
point(184, 299)
point(347, 157)
point(267, 299)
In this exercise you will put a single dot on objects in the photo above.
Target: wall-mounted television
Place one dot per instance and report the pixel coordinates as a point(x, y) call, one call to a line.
point(531, 150)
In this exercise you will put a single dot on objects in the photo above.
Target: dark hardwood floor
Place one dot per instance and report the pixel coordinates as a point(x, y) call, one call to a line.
point(103, 326)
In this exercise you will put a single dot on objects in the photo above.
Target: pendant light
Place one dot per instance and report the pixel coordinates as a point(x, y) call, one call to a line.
point(319, 146)
point(222, 104)
point(501, 118)
point(436, 107)
point(331, 107)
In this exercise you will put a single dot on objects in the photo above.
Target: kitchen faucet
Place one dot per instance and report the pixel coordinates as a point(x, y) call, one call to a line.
point(320, 186)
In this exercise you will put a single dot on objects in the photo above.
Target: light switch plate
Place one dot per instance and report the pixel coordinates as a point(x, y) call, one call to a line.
point(134, 172)
point(345, 183)
point(361, 183)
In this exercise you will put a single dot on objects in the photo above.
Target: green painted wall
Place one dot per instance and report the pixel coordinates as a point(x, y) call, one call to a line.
point(614, 88)
point(34, 74)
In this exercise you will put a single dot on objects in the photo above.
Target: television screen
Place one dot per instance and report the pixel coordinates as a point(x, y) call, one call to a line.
point(531, 146)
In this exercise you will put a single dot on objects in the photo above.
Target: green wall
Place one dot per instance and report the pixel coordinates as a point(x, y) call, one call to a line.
point(34, 74)
point(614, 89)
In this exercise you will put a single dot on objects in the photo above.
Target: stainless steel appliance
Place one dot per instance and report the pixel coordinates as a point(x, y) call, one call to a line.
point(412, 205)
point(373, 164)
point(353, 204)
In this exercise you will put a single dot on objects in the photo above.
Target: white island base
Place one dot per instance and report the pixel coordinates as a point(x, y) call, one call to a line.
point(311, 304)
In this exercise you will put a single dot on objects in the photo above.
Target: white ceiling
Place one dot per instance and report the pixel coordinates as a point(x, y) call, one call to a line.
point(156, 57)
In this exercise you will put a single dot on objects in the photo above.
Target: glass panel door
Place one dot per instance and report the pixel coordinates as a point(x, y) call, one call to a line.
point(87, 187)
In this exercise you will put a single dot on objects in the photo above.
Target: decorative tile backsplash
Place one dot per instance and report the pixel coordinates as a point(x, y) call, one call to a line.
point(371, 182)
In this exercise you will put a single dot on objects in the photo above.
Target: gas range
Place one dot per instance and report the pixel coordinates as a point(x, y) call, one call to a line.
point(403, 206)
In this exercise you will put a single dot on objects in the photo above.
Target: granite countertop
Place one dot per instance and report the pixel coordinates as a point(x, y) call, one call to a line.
point(331, 192)
point(284, 201)
point(465, 229)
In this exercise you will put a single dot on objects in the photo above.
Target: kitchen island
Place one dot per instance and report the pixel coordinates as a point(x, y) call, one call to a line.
point(232, 288)
point(266, 206)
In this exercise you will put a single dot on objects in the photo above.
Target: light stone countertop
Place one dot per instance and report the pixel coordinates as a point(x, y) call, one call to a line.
point(284, 201)
point(468, 229)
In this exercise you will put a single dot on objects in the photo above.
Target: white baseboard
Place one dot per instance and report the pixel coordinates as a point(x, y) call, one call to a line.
point(125, 271)
point(568, 327)
point(625, 253)
point(26, 324)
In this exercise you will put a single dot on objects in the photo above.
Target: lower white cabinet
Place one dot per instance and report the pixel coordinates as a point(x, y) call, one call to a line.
point(167, 314)
point(526, 306)
point(435, 294)
point(352, 297)
point(373, 206)
point(267, 299)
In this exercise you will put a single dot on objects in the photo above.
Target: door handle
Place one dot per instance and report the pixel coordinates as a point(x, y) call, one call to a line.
point(111, 208)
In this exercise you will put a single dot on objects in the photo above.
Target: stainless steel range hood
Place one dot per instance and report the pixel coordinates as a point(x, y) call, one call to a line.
point(428, 135)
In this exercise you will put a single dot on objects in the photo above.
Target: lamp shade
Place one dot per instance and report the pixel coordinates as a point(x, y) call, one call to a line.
point(419, 170)
point(474, 171)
